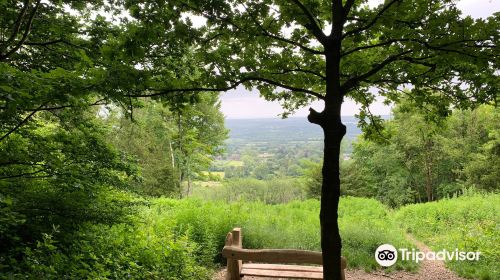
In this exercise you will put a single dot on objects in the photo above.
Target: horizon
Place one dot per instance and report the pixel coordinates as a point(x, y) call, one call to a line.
point(279, 118)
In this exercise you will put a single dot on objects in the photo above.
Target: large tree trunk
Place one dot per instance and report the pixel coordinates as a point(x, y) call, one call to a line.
point(331, 243)
point(334, 131)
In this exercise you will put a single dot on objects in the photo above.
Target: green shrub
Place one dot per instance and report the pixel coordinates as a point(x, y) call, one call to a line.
point(145, 247)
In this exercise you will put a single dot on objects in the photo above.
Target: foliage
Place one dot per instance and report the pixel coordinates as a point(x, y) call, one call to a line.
point(62, 182)
point(144, 249)
point(148, 139)
point(421, 160)
point(469, 223)
point(313, 179)
point(199, 136)
point(299, 51)
point(471, 143)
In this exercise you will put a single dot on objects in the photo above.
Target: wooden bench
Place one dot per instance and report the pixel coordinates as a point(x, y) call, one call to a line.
point(270, 262)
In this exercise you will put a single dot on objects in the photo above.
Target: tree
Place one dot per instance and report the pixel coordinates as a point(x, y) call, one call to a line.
point(199, 136)
point(471, 143)
point(297, 51)
point(148, 137)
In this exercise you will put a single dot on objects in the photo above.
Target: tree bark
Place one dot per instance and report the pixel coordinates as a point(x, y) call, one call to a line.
point(331, 242)
point(334, 131)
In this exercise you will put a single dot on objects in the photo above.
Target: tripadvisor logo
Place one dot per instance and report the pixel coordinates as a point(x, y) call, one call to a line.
point(387, 255)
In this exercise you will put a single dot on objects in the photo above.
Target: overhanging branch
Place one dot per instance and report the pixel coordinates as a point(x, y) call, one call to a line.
point(17, 25)
point(300, 70)
point(347, 7)
point(22, 122)
point(229, 87)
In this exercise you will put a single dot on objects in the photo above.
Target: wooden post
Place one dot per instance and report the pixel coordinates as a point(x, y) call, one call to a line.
point(343, 265)
point(238, 243)
point(233, 239)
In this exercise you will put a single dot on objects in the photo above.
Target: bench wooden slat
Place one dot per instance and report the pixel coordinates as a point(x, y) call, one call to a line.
point(281, 273)
point(266, 266)
point(273, 255)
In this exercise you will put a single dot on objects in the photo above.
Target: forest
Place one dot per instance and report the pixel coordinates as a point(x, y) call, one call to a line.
point(117, 161)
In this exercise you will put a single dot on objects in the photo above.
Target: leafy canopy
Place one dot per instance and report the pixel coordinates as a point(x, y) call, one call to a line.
point(281, 48)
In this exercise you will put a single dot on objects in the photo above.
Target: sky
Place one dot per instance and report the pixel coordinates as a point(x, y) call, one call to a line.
point(243, 104)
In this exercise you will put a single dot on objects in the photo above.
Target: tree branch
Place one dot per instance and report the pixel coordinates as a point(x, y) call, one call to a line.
point(48, 43)
point(21, 123)
point(372, 22)
point(351, 83)
point(229, 87)
point(312, 26)
point(27, 30)
point(373, 121)
point(291, 42)
point(347, 7)
point(17, 25)
point(97, 103)
point(266, 33)
point(43, 43)
point(278, 84)
point(424, 43)
point(21, 175)
point(371, 46)
point(316, 117)
point(286, 71)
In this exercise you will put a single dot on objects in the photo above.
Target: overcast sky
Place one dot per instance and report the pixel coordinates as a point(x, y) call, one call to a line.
point(241, 103)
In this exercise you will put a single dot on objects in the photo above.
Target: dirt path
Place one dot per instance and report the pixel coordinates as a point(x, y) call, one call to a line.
point(429, 270)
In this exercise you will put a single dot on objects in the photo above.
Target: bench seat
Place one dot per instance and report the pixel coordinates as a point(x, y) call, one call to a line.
point(282, 271)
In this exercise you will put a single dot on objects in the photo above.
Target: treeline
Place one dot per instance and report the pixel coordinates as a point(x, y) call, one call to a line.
point(415, 158)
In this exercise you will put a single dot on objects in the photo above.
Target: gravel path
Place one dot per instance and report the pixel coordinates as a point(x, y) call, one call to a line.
point(429, 270)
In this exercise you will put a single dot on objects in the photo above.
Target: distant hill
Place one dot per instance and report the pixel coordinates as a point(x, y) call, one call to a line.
point(270, 133)
point(285, 130)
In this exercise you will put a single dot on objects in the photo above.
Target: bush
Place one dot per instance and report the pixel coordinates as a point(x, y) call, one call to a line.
point(145, 249)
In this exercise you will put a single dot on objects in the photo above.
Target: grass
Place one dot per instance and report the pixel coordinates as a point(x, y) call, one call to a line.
point(365, 224)
point(182, 239)
point(219, 174)
point(469, 223)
